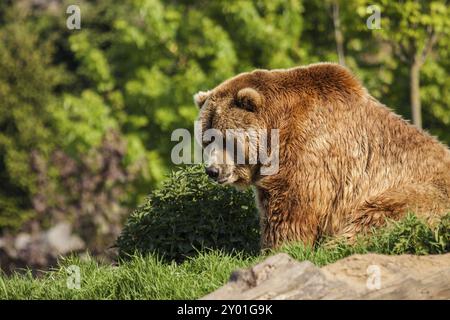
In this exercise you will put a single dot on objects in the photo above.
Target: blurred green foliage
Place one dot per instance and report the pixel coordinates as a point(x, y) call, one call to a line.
point(27, 80)
point(134, 66)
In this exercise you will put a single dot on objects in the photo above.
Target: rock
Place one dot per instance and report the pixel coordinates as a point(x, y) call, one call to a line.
point(401, 277)
point(22, 240)
point(38, 250)
point(62, 241)
point(369, 276)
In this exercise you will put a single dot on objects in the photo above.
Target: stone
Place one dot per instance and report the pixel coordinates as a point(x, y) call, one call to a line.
point(370, 276)
point(61, 239)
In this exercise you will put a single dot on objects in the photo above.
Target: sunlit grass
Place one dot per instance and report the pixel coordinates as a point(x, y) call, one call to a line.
point(149, 277)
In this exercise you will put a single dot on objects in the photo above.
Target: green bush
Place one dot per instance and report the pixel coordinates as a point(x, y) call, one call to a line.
point(190, 213)
point(412, 235)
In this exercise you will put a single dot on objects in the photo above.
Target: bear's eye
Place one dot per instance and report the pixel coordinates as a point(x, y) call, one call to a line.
point(243, 105)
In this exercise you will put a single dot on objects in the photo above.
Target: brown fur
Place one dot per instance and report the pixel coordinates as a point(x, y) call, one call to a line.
point(346, 161)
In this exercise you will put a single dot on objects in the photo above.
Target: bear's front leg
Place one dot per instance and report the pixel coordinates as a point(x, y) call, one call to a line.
point(279, 229)
point(282, 222)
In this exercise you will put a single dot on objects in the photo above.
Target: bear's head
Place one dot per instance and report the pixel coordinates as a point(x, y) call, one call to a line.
point(259, 116)
point(235, 128)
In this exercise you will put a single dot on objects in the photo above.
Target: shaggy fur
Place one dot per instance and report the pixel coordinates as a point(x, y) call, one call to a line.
point(347, 162)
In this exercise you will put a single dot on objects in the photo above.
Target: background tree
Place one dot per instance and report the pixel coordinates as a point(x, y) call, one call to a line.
point(413, 29)
point(338, 34)
point(27, 79)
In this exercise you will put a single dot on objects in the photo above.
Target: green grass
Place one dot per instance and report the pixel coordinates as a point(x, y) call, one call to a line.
point(149, 277)
point(139, 278)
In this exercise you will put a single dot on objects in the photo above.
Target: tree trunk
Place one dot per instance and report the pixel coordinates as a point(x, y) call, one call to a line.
point(338, 33)
point(415, 93)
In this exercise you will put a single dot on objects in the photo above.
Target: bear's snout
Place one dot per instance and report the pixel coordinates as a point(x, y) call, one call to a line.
point(213, 172)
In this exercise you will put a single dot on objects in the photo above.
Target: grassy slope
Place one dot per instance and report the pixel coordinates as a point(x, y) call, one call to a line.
point(149, 278)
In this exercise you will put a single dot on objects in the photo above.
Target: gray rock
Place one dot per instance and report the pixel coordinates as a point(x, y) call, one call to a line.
point(61, 240)
point(370, 276)
point(38, 249)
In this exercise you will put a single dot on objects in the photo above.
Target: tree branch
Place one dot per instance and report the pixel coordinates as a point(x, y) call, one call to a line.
point(339, 38)
point(401, 52)
point(431, 41)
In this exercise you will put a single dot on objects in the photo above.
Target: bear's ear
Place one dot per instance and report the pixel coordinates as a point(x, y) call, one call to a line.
point(249, 99)
point(200, 98)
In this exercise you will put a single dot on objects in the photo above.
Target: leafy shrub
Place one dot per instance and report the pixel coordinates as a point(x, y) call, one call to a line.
point(412, 235)
point(189, 213)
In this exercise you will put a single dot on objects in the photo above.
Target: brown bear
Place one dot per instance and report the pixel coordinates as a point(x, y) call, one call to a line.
point(346, 161)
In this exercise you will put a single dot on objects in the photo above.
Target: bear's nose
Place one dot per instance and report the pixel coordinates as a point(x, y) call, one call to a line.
point(212, 172)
